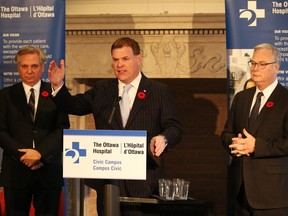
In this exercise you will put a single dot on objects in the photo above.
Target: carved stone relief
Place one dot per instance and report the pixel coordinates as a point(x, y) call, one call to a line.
point(194, 50)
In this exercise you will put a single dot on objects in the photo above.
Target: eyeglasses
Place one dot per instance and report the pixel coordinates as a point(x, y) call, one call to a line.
point(260, 64)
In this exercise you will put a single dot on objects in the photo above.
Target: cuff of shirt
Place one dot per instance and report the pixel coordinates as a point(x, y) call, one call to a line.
point(54, 92)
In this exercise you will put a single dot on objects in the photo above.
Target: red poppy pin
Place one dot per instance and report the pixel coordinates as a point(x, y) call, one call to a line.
point(141, 95)
point(45, 94)
point(269, 104)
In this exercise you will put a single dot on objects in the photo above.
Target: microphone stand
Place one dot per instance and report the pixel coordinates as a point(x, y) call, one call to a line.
point(111, 187)
point(113, 110)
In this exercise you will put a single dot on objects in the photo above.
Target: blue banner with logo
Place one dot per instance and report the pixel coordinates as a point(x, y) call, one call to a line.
point(38, 23)
point(248, 23)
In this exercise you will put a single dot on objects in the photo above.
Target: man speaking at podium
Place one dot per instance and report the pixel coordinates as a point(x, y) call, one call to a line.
point(130, 102)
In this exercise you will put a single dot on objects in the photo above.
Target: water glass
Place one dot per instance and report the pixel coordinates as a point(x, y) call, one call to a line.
point(184, 190)
point(178, 182)
point(161, 187)
point(169, 190)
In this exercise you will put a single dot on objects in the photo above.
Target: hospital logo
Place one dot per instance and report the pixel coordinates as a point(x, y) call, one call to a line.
point(75, 152)
point(252, 13)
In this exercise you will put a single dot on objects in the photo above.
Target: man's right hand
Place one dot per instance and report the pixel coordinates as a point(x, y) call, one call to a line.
point(56, 74)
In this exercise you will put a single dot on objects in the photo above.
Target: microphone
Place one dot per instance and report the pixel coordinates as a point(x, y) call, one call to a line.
point(113, 109)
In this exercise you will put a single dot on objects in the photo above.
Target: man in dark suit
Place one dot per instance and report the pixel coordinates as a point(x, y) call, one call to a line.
point(31, 138)
point(151, 108)
point(259, 168)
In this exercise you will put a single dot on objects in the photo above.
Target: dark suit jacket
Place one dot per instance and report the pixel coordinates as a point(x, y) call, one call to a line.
point(17, 130)
point(154, 113)
point(265, 172)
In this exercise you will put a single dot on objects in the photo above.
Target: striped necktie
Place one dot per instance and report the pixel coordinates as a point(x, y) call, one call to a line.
point(31, 103)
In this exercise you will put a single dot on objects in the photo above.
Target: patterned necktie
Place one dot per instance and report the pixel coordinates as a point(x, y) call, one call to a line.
point(31, 103)
point(255, 110)
point(125, 104)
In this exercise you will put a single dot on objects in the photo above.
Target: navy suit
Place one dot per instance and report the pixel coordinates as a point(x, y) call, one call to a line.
point(17, 130)
point(265, 173)
point(154, 113)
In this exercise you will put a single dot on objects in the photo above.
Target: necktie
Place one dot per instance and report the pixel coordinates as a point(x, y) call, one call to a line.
point(125, 104)
point(31, 103)
point(255, 110)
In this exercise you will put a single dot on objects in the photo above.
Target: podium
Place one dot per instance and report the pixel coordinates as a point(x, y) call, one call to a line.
point(105, 154)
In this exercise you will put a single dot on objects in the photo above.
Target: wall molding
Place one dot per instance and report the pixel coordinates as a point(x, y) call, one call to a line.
point(173, 45)
point(159, 21)
point(206, 32)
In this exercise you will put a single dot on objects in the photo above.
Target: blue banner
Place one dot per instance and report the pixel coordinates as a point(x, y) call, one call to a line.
point(38, 23)
point(249, 23)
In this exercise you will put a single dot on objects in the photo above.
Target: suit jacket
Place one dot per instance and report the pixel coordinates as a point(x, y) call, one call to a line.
point(154, 112)
point(17, 130)
point(265, 172)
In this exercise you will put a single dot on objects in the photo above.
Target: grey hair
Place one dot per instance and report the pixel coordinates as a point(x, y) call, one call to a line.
point(31, 50)
point(275, 52)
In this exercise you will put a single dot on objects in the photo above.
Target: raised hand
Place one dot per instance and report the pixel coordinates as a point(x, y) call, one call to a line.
point(56, 74)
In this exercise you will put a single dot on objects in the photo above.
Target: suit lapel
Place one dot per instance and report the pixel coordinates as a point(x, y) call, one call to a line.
point(266, 110)
point(44, 94)
point(246, 111)
point(19, 99)
point(144, 89)
point(41, 102)
point(112, 94)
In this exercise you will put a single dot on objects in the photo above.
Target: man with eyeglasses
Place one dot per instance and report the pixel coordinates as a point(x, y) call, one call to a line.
point(257, 140)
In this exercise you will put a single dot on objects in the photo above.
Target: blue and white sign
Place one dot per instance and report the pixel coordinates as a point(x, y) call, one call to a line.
point(251, 22)
point(38, 23)
point(104, 154)
point(248, 23)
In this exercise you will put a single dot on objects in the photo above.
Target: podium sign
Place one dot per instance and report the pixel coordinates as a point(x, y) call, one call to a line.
point(104, 154)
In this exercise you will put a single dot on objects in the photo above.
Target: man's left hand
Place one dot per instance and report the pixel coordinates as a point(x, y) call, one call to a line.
point(157, 145)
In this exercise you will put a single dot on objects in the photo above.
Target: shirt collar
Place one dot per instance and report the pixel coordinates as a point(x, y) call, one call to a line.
point(35, 87)
point(135, 83)
point(268, 91)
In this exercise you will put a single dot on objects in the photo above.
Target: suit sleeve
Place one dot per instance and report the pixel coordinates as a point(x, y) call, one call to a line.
point(170, 125)
point(7, 143)
point(79, 104)
point(229, 130)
